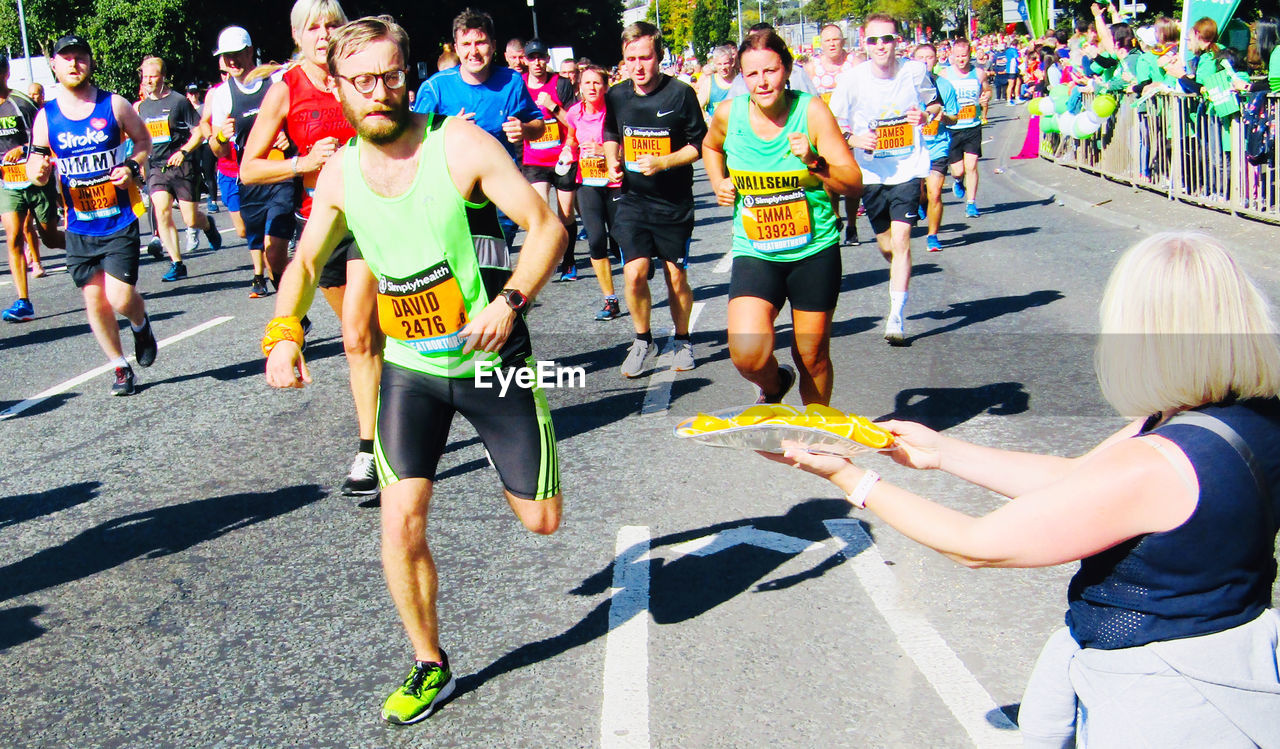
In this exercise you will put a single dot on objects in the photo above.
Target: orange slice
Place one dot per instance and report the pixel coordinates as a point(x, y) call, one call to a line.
point(871, 434)
point(707, 423)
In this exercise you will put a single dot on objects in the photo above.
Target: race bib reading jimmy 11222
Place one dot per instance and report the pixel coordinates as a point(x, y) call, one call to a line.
point(425, 310)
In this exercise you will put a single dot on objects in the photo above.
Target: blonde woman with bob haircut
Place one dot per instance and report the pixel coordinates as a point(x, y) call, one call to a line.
point(1170, 638)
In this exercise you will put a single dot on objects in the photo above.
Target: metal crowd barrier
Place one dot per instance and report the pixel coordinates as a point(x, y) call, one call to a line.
point(1173, 144)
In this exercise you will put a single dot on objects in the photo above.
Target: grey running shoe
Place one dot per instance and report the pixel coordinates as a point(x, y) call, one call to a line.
point(124, 384)
point(682, 356)
point(633, 366)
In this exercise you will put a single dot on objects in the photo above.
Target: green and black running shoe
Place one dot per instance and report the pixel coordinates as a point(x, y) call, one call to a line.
point(428, 685)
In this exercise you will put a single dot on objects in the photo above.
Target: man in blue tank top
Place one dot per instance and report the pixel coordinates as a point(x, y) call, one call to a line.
point(86, 129)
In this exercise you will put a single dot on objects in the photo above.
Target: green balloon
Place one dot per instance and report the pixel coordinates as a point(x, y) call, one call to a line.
point(1049, 124)
point(1082, 131)
point(1104, 106)
point(1033, 106)
point(1059, 93)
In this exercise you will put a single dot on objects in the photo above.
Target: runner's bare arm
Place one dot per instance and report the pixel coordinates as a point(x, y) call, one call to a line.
point(713, 160)
point(255, 167)
point(197, 137)
point(842, 173)
point(39, 165)
point(134, 129)
point(478, 163)
point(221, 148)
point(325, 229)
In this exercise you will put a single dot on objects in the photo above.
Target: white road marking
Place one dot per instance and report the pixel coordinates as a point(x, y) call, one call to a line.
point(725, 263)
point(657, 397)
point(976, 712)
point(749, 535)
point(624, 714)
point(18, 408)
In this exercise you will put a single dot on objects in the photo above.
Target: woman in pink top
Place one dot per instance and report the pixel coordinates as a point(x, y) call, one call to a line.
point(597, 196)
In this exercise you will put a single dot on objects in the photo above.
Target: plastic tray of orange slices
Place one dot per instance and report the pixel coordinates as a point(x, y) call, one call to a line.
point(819, 429)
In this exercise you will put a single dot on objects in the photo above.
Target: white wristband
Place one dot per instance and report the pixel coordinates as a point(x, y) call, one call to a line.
point(858, 497)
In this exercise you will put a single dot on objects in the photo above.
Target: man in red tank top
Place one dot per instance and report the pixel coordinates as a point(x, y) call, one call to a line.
point(303, 106)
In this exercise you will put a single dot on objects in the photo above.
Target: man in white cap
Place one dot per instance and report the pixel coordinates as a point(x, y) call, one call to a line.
point(265, 211)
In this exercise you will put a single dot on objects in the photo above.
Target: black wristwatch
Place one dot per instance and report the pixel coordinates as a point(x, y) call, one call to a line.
point(515, 299)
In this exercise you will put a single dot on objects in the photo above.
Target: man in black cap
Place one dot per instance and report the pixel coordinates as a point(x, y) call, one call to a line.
point(85, 128)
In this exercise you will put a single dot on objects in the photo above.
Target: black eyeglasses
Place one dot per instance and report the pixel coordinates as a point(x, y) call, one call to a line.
point(885, 39)
point(365, 83)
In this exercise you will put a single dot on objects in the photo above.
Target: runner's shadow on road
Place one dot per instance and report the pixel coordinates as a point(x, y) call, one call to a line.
point(20, 508)
point(51, 403)
point(1015, 205)
point(48, 335)
point(192, 286)
point(18, 625)
point(870, 278)
point(148, 534)
point(982, 310)
point(683, 586)
point(944, 408)
point(976, 237)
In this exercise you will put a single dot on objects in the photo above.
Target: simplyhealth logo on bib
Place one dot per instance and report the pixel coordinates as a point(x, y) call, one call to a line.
point(426, 310)
point(92, 137)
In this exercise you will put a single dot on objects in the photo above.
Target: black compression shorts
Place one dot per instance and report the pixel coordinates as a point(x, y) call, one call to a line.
point(889, 203)
point(811, 284)
point(414, 413)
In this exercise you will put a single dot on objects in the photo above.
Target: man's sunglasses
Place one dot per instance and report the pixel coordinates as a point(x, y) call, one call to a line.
point(886, 39)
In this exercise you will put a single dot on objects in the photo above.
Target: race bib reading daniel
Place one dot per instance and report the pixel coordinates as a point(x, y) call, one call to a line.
point(894, 137)
point(644, 141)
point(775, 213)
point(425, 310)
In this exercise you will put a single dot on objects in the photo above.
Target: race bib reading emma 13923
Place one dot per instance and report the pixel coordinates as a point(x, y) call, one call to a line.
point(774, 209)
point(426, 310)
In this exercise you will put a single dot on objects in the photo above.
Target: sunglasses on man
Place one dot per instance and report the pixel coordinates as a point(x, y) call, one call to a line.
point(885, 39)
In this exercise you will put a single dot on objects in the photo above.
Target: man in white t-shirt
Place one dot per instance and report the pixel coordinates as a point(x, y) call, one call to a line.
point(880, 106)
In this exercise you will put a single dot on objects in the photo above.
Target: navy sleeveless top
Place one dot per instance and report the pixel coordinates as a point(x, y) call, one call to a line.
point(87, 150)
point(1213, 572)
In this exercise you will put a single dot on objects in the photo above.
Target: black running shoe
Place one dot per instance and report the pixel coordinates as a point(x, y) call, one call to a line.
point(212, 234)
point(124, 384)
point(144, 345)
point(786, 380)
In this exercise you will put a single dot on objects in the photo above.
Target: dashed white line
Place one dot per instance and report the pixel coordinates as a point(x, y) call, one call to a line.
point(972, 707)
point(624, 713)
point(657, 397)
point(21, 406)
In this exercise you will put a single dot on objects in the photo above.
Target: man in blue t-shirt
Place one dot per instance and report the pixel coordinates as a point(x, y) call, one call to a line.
point(495, 98)
point(1012, 71)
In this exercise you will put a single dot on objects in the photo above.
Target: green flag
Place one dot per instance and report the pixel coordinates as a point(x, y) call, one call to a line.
point(1037, 15)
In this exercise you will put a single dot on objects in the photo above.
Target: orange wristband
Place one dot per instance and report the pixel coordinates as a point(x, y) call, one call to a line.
point(281, 329)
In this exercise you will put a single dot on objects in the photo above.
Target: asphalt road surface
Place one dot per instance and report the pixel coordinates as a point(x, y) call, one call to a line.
point(179, 569)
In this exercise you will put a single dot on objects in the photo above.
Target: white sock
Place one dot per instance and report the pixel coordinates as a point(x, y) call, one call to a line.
point(138, 328)
point(120, 362)
point(897, 301)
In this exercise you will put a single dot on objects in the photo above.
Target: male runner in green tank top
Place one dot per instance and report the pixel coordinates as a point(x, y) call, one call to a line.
point(405, 187)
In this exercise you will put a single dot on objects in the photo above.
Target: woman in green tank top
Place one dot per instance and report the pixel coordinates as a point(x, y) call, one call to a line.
point(773, 155)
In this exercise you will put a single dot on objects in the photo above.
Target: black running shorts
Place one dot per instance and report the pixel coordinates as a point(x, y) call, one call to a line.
point(182, 182)
point(414, 413)
point(811, 284)
point(645, 229)
point(116, 254)
point(967, 140)
point(888, 204)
